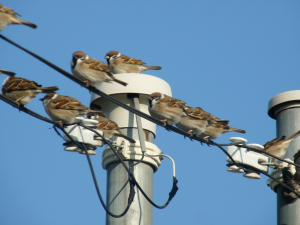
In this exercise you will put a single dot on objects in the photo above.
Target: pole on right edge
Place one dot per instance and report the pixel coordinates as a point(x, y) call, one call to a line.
point(285, 109)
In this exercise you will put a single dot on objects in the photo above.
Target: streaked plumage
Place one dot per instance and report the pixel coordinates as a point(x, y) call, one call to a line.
point(91, 71)
point(64, 109)
point(9, 16)
point(110, 128)
point(119, 63)
point(21, 90)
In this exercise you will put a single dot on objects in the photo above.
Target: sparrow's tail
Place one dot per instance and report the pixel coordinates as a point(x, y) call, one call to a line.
point(7, 72)
point(125, 137)
point(294, 135)
point(32, 25)
point(235, 130)
point(48, 89)
point(119, 81)
point(153, 67)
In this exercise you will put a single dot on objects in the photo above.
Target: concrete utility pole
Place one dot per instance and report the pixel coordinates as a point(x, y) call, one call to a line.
point(285, 109)
point(135, 95)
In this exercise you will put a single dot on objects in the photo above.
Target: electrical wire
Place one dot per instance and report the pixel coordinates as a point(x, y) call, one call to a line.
point(175, 181)
point(131, 192)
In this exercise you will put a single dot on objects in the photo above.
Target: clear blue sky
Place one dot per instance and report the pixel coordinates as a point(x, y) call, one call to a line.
point(228, 57)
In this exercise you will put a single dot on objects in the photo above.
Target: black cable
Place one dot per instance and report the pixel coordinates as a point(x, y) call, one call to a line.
point(171, 194)
point(268, 175)
point(131, 192)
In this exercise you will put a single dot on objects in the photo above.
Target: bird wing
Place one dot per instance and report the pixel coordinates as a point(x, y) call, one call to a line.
point(66, 102)
point(7, 10)
point(106, 124)
point(97, 65)
point(129, 60)
point(173, 102)
point(273, 142)
point(18, 84)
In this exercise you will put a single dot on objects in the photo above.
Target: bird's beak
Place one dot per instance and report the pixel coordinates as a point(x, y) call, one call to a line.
point(106, 57)
point(41, 99)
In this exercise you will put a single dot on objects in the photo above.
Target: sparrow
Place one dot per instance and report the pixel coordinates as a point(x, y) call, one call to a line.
point(165, 108)
point(196, 120)
point(119, 63)
point(64, 109)
point(91, 71)
point(214, 130)
point(279, 146)
point(21, 90)
point(9, 16)
point(110, 128)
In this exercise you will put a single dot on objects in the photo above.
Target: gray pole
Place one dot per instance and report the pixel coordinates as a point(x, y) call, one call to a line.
point(141, 211)
point(285, 108)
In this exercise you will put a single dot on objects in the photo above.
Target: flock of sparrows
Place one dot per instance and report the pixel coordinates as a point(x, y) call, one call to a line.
point(64, 109)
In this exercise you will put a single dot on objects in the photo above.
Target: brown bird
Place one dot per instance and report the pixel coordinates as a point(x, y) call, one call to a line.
point(214, 130)
point(165, 108)
point(196, 121)
point(9, 16)
point(119, 63)
point(110, 128)
point(65, 109)
point(21, 90)
point(279, 146)
point(91, 71)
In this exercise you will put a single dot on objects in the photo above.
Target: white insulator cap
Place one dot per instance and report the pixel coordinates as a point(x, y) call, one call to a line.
point(132, 151)
point(141, 84)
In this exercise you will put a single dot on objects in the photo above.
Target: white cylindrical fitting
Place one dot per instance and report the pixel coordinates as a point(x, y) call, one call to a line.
point(141, 84)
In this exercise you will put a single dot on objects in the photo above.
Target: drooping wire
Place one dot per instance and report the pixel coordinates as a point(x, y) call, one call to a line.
point(171, 194)
point(131, 192)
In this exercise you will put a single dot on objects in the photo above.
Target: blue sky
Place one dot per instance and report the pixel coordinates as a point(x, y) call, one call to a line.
point(228, 57)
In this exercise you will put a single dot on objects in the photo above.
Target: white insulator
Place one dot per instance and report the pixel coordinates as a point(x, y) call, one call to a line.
point(246, 157)
point(83, 135)
point(132, 151)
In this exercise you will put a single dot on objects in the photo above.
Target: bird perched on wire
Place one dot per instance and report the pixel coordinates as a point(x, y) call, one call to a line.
point(119, 63)
point(91, 71)
point(9, 16)
point(65, 109)
point(196, 121)
point(110, 128)
point(165, 108)
point(214, 130)
point(279, 146)
point(21, 90)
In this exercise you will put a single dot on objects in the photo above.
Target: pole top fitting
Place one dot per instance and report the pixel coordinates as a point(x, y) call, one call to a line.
point(282, 101)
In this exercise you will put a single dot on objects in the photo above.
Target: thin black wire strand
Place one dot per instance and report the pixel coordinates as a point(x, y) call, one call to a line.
point(268, 175)
point(132, 175)
point(131, 193)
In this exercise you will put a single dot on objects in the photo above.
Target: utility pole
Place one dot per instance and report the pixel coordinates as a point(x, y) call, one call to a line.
point(285, 109)
point(135, 95)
